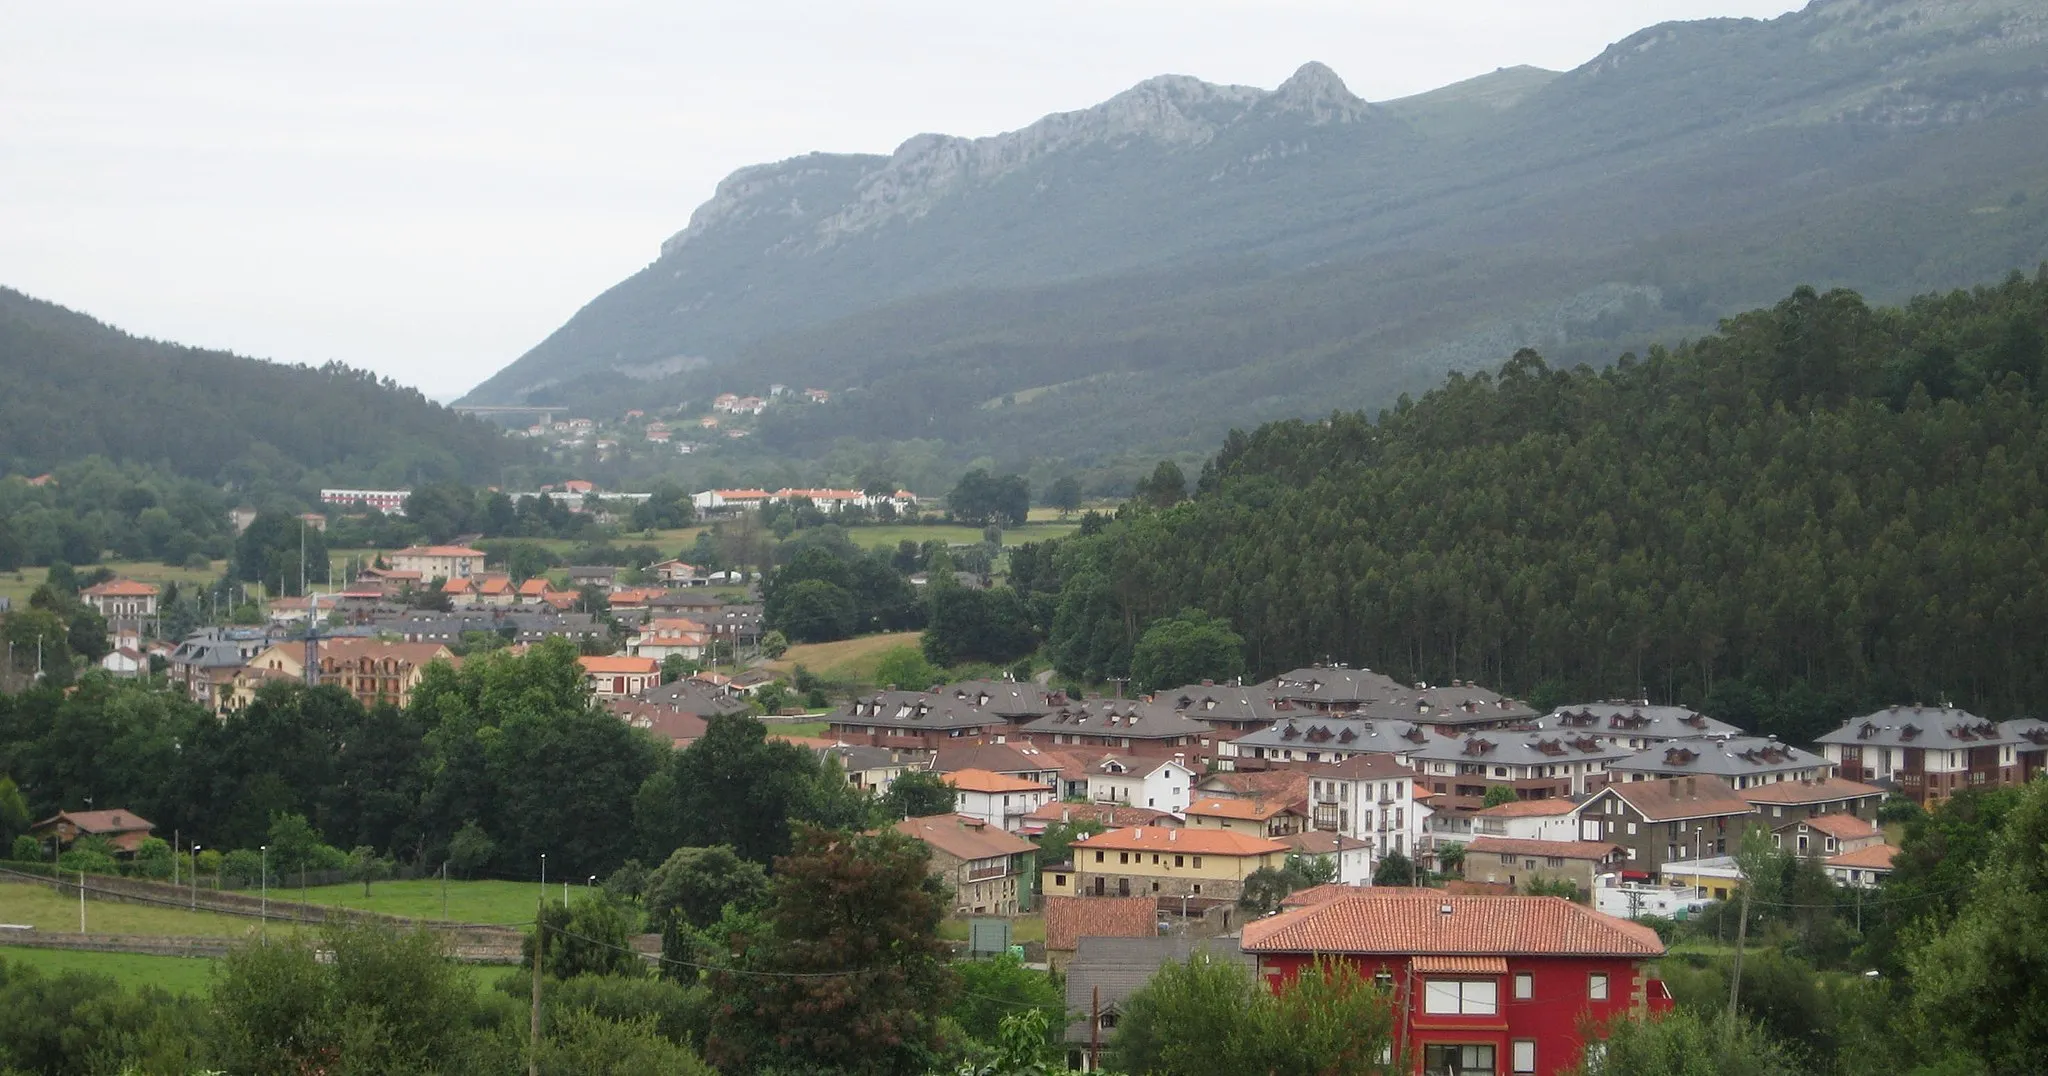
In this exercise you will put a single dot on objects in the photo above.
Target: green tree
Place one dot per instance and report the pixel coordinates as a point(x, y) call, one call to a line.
point(813, 611)
point(1187, 648)
point(582, 1041)
point(773, 645)
point(732, 787)
point(1395, 869)
point(1056, 844)
point(991, 993)
point(1974, 991)
point(698, 884)
point(365, 866)
point(918, 793)
point(981, 499)
point(590, 936)
point(1165, 487)
point(1498, 795)
point(856, 974)
point(905, 668)
point(1263, 891)
point(470, 850)
point(1064, 494)
point(969, 624)
point(1684, 1043)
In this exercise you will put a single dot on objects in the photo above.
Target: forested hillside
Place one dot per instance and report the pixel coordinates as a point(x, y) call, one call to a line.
point(76, 388)
point(1822, 506)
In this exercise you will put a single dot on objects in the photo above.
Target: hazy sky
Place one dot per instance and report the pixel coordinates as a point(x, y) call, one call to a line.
point(428, 189)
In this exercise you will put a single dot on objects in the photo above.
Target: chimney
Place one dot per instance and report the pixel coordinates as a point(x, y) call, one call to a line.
point(1692, 786)
point(1674, 787)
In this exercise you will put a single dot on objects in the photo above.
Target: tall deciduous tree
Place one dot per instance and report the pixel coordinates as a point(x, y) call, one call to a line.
point(1185, 649)
point(698, 884)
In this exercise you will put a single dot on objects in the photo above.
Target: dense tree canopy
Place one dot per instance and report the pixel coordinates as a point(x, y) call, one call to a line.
point(1821, 507)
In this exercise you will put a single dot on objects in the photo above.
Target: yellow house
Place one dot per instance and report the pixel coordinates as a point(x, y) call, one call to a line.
point(1159, 861)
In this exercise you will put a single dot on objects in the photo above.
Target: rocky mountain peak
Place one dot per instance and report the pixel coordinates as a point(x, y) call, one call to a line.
point(1316, 92)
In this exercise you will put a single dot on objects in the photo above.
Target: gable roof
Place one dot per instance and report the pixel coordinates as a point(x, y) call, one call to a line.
point(1842, 827)
point(1317, 894)
point(122, 588)
point(1371, 766)
point(1637, 720)
point(1731, 757)
point(1113, 815)
point(1243, 810)
point(1112, 969)
point(1069, 919)
point(1670, 799)
point(619, 665)
point(1322, 842)
point(993, 757)
point(1419, 922)
point(116, 820)
point(1877, 857)
point(1211, 842)
point(985, 781)
point(1593, 850)
point(1289, 785)
point(1543, 808)
point(964, 838)
point(1825, 790)
point(1136, 719)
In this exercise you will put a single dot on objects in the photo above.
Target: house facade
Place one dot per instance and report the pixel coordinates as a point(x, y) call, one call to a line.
point(1270, 818)
point(620, 677)
point(1516, 862)
point(988, 870)
point(996, 799)
point(1369, 798)
point(667, 637)
point(1161, 861)
point(122, 599)
point(1740, 762)
point(1929, 753)
point(1495, 985)
point(1659, 822)
point(438, 561)
point(378, 672)
point(1140, 782)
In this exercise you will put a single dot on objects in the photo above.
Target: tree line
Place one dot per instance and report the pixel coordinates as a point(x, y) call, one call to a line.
point(1822, 507)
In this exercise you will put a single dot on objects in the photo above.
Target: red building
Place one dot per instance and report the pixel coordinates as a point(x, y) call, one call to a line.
point(1486, 986)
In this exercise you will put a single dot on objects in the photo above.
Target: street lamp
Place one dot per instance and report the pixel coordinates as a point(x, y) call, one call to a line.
point(263, 869)
point(195, 876)
point(543, 877)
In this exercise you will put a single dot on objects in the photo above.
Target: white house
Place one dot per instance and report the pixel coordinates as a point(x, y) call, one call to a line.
point(1352, 856)
point(1369, 797)
point(997, 798)
point(438, 561)
point(1528, 820)
point(1163, 786)
point(659, 639)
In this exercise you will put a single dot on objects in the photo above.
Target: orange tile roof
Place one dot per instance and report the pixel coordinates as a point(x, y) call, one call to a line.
point(1668, 800)
point(1208, 842)
point(619, 665)
point(964, 838)
point(1529, 808)
point(438, 551)
point(1844, 827)
point(534, 588)
point(1593, 850)
point(1242, 810)
point(1413, 921)
point(122, 588)
point(495, 584)
point(1875, 857)
point(110, 821)
point(456, 586)
point(1109, 814)
point(1069, 919)
point(1825, 790)
point(986, 781)
point(1302, 898)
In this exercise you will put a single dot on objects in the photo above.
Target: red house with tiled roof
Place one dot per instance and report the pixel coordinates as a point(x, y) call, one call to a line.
point(1482, 984)
point(1068, 919)
point(124, 829)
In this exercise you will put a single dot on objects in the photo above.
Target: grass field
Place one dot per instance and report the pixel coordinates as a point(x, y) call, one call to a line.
point(847, 659)
point(42, 909)
point(809, 729)
point(19, 585)
point(468, 902)
point(177, 974)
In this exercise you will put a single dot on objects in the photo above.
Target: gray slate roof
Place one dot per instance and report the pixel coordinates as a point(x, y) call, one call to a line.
point(1943, 728)
point(695, 698)
point(916, 710)
point(1339, 734)
point(1635, 720)
point(1133, 718)
point(1738, 756)
point(1122, 966)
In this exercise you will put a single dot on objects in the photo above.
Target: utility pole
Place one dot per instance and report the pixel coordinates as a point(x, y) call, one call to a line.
point(1741, 935)
point(1095, 1030)
point(195, 876)
point(444, 890)
point(81, 902)
point(539, 943)
point(263, 870)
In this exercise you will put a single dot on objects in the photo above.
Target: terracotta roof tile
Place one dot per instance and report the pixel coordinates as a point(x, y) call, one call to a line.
point(986, 781)
point(1246, 810)
point(1823, 791)
point(1594, 850)
point(1669, 799)
point(619, 665)
point(1069, 919)
point(1843, 827)
point(1215, 842)
point(1875, 857)
point(1302, 898)
point(964, 838)
point(1413, 922)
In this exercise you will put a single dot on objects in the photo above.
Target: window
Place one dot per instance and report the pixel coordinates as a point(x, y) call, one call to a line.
point(1461, 997)
point(1098, 856)
point(1523, 1054)
point(1108, 1021)
point(1631, 829)
point(1123, 857)
point(1177, 861)
point(1198, 862)
point(1525, 986)
point(1596, 986)
point(1457, 1059)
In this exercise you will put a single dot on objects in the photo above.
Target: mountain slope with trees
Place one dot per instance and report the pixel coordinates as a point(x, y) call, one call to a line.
point(1186, 256)
point(1822, 508)
point(78, 388)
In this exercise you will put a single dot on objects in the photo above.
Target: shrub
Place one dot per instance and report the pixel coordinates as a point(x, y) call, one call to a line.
point(27, 849)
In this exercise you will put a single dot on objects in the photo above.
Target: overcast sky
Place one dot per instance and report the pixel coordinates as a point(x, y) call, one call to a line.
point(428, 189)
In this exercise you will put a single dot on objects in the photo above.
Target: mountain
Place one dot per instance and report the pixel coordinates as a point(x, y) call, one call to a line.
point(76, 387)
point(1139, 276)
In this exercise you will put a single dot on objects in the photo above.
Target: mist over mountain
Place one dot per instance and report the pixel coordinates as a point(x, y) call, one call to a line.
point(1185, 257)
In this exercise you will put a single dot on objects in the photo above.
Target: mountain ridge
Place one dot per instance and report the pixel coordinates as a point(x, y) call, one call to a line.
point(1545, 195)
